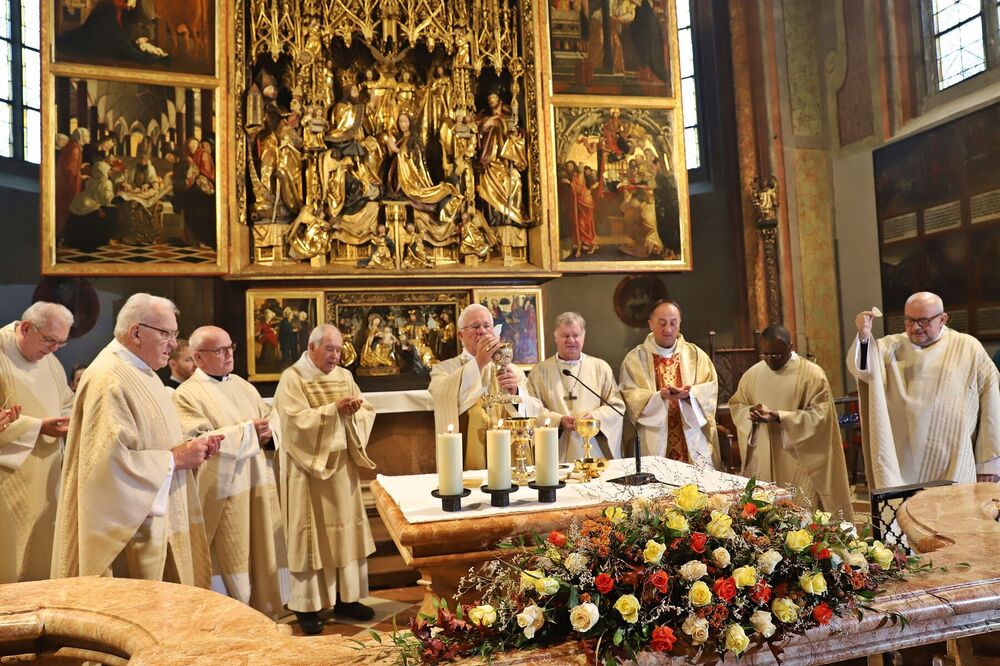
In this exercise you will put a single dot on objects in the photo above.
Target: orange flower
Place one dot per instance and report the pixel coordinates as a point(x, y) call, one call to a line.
point(663, 639)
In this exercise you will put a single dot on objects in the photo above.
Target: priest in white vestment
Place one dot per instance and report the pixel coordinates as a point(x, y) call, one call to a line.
point(239, 496)
point(459, 384)
point(30, 447)
point(930, 407)
point(671, 391)
point(181, 364)
point(564, 399)
point(787, 426)
point(128, 505)
point(325, 424)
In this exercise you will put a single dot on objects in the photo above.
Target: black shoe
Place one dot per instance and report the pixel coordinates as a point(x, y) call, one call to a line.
point(310, 623)
point(354, 610)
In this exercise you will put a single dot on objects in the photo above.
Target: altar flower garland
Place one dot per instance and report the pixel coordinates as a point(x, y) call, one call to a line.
point(686, 575)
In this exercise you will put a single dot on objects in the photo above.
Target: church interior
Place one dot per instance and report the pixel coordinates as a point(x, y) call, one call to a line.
point(381, 165)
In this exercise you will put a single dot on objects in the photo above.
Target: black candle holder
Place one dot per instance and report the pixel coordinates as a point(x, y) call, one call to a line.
point(500, 498)
point(451, 502)
point(547, 494)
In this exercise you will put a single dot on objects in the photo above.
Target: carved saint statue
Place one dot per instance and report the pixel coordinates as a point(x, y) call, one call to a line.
point(502, 158)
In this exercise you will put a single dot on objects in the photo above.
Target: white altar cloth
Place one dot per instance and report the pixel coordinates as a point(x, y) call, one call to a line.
point(413, 492)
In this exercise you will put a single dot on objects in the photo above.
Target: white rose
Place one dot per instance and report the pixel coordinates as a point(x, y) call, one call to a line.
point(719, 503)
point(576, 563)
point(855, 559)
point(693, 570)
point(761, 621)
point(531, 620)
point(697, 628)
point(767, 560)
point(584, 617)
point(720, 557)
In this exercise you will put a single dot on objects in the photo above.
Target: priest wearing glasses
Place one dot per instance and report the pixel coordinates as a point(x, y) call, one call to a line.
point(930, 407)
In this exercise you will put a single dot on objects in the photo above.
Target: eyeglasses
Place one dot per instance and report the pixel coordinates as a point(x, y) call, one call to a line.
point(219, 351)
point(923, 322)
point(478, 327)
point(773, 357)
point(50, 342)
point(165, 334)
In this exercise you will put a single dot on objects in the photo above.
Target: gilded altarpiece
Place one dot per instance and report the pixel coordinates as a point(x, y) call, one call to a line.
point(387, 139)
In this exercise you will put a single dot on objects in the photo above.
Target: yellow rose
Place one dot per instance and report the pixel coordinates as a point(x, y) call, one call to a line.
point(483, 616)
point(528, 578)
point(882, 556)
point(699, 594)
point(615, 514)
point(720, 526)
point(736, 639)
point(821, 517)
point(676, 521)
point(689, 498)
point(553, 555)
point(628, 606)
point(546, 586)
point(654, 551)
point(798, 540)
point(813, 583)
point(745, 576)
point(859, 546)
point(785, 610)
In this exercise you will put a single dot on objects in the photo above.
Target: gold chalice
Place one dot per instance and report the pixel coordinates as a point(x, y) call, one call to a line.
point(522, 430)
point(590, 467)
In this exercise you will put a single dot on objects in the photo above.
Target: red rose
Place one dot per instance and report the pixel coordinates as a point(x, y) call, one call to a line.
point(698, 541)
point(823, 554)
point(724, 588)
point(557, 538)
point(781, 589)
point(760, 593)
point(603, 583)
point(749, 510)
point(659, 580)
point(663, 639)
point(822, 613)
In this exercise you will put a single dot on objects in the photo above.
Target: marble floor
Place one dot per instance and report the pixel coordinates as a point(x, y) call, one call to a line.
point(400, 603)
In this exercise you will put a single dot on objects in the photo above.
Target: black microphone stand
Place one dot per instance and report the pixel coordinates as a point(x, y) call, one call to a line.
point(640, 478)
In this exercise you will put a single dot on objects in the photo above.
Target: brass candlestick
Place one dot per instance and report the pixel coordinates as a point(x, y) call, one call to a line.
point(522, 430)
point(589, 467)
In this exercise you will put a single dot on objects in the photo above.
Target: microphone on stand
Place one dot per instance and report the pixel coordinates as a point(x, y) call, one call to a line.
point(640, 478)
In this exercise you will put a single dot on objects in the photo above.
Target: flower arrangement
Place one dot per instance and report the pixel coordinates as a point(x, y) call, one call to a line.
point(688, 575)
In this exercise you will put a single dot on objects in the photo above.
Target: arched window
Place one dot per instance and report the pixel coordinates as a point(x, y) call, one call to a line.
point(20, 89)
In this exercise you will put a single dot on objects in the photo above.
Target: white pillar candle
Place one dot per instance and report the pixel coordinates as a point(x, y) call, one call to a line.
point(448, 453)
point(498, 459)
point(546, 456)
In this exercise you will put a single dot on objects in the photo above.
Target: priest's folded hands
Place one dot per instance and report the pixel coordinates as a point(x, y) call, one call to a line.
point(8, 416)
point(349, 405)
point(676, 392)
point(193, 453)
point(263, 428)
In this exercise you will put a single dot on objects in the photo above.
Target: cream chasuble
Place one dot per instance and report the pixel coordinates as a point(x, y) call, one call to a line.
point(29, 461)
point(804, 450)
point(645, 406)
point(123, 508)
point(457, 387)
point(927, 413)
point(321, 454)
point(239, 496)
point(564, 396)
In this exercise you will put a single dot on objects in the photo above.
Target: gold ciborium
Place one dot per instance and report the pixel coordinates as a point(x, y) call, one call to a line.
point(522, 430)
point(589, 467)
point(501, 358)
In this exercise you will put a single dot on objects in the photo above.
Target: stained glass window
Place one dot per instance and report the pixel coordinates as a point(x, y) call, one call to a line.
point(689, 97)
point(20, 86)
point(958, 40)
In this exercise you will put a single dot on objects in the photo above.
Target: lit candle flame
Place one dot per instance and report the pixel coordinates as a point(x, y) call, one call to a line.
point(500, 423)
point(451, 428)
point(547, 422)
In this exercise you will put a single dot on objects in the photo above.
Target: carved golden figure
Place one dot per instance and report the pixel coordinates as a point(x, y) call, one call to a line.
point(382, 255)
point(309, 236)
point(502, 158)
point(414, 251)
point(407, 173)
